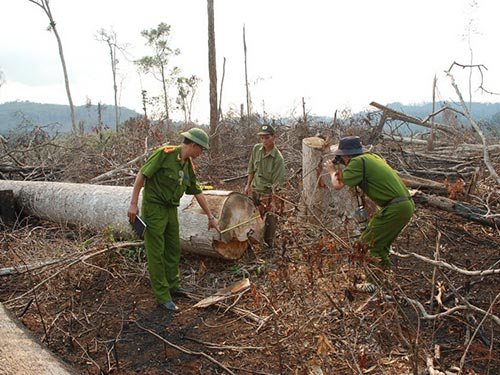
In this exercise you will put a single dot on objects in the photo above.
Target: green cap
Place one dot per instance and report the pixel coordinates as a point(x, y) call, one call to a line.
point(266, 130)
point(198, 136)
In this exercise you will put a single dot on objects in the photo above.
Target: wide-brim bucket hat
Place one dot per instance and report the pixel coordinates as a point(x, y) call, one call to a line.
point(349, 146)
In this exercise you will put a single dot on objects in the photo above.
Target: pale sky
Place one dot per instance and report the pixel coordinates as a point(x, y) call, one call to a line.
point(335, 54)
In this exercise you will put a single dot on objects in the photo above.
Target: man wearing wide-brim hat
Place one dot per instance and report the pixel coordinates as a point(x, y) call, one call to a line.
point(381, 184)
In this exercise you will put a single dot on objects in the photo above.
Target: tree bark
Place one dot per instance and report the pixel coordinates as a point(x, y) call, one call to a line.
point(21, 353)
point(465, 210)
point(44, 4)
point(391, 113)
point(212, 72)
point(249, 110)
point(423, 184)
point(320, 203)
point(101, 208)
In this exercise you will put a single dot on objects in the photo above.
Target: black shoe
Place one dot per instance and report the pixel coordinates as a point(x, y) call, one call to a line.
point(171, 306)
point(180, 291)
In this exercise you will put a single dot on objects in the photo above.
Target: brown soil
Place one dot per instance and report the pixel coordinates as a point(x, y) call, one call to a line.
point(300, 311)
point(301, 314)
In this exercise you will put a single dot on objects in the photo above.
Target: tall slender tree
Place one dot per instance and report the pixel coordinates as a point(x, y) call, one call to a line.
point(212, 72)
point(44, 5)
point(158, 63)
point(186, 87)
point(110, 38)
point(249, 109)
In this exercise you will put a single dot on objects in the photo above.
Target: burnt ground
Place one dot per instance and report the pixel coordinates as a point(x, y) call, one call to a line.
point(301, 313)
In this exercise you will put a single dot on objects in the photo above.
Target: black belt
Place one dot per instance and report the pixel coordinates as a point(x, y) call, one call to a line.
point(396, 200)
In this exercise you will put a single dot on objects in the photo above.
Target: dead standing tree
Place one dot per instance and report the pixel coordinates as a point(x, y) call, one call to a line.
point(111, 40)
point(476, 127)
point(44, 4)
point(249, 109)
point(212, 71)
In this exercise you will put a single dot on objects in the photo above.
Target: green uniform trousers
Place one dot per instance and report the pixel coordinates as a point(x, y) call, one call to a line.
point(385, 226)
point(163, 249)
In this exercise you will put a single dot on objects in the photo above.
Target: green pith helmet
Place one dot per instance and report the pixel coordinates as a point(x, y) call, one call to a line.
point(198, 136)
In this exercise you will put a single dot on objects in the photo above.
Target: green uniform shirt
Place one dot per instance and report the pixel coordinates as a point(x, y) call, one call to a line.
point(383, 183)
point(268, 170)
point(166, 179)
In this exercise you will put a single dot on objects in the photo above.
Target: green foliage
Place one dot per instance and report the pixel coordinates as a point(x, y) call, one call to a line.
point(158, 63)
point(134, 253)
point(159, 40)
point(186, 90)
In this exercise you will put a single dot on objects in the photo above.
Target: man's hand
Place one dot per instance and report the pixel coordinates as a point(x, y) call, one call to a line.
point(133, 211)
point(329, 166)
point(213, 223)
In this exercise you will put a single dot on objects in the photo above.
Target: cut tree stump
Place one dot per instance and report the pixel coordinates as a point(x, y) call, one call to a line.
point(319, 202)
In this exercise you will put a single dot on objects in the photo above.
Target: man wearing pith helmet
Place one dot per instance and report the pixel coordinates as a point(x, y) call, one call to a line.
point(382, 185)
point(168, 174)
point(266, 171)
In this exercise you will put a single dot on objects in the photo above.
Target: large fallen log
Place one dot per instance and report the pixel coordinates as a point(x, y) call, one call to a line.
point(391, 113)
point(100, 208)
point(462, 209)
point(21, 353)
point(423, 184)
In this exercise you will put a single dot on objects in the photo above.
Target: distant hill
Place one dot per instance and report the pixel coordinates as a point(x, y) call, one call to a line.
point(481, 112)
point(13, 115)
point(488, 112)
point(16, 114)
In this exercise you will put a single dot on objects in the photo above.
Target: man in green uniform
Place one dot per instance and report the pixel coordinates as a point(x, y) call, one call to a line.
point(382, 185)
point(266, 171)
point(168, 174)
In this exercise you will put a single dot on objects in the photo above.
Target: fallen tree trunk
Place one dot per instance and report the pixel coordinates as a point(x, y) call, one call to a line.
point(423, 184)
point(468, 211)
point(391, 113)
point(21, 353)
point(101, 208)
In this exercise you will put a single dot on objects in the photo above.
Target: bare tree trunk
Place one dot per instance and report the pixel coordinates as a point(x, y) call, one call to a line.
point(99, 117)
point(430, 143)
point(144, 95)
point(212, 70)
point(99, 208)
point(44, 4)
point(304, 114)
point(221, 87)
point(165, 98)
point(486, 155)
point(249, 110)
point(111, 40)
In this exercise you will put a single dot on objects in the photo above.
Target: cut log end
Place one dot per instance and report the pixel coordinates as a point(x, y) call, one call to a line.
point(231, 250)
